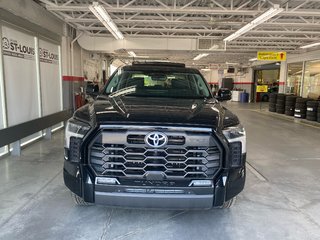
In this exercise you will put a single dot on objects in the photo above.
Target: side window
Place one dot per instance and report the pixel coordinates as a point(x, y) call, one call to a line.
point(203, 90)
point(113, 83)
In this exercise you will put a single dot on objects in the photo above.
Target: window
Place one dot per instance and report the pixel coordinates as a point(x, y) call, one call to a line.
point(311, 83)
point(149, 83)
point(293, 84)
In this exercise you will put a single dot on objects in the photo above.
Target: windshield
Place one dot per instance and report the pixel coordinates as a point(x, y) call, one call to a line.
point(150, 83)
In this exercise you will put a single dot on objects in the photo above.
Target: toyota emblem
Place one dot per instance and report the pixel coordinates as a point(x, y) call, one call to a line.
point(156, 139)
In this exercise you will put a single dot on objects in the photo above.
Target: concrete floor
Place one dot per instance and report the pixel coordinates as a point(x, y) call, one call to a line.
point(281, 199)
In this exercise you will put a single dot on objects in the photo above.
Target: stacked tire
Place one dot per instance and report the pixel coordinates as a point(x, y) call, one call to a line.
point(312, 109)
point(280, 105)
point(290, 105)
point(300, 110)
point(272, 102)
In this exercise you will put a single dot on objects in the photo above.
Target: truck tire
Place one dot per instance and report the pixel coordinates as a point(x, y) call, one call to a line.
point(291, 98)
point(311, 118)
point(272, 109)
point(289, 108)
point(301, 100)
point(280, 110)
point(273, 97)
point(312, 106)
point(229, 204)
point(300, 115)
point(78, 200)
point(289, 113)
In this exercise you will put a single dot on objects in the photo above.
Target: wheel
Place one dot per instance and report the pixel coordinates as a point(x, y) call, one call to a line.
point(78, 200)
point(301, 100)
point(272, 109)
point(289, 108)
point(280, 110)
point(313, 104)
point(299, 115)
point(271, 104)
point(289, 113)
point(281, 102)
point(290, 103)
point(229, 203)
point(278, 105)
point(300, 111)
point(312, 114)
point(291, 98)
point(300, 105)
point(311, 118)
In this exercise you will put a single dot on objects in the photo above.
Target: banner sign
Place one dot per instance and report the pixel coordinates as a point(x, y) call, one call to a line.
point(48, 56)
point(272, 56)
point(14, 47)
point(50, 77)
point(262, 88)
point(20, 71)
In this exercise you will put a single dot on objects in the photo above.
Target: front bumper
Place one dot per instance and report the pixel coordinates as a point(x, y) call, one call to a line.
point(167, 201)
point(81, 181)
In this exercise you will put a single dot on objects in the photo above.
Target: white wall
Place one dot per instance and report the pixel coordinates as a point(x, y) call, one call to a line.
point(242, 79)
point(109, 44)
point(34, 13)
point(29, 87)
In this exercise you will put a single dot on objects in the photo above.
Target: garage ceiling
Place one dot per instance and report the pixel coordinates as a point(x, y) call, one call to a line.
point(297, 25)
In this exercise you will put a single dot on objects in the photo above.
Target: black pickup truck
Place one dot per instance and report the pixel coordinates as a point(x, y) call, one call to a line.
point(155, 137)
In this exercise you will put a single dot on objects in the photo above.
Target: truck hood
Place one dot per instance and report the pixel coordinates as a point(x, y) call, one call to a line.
point(156, 111)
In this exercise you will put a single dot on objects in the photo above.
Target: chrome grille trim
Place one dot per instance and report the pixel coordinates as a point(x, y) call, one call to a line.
point(198, 158)
point(155, 128)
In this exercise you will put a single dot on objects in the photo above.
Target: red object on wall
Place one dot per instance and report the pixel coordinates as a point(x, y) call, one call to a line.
point(79, 100)
point(72, 78)
point(243, 83)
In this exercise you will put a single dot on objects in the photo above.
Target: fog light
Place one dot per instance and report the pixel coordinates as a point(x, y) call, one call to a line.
point(201, 183)
point(107, 181)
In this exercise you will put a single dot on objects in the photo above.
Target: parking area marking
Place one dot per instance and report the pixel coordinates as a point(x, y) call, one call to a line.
point(256, 172)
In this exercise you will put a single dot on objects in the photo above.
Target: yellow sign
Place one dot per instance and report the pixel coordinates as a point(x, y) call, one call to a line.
point(262, 88)
point(272, 56)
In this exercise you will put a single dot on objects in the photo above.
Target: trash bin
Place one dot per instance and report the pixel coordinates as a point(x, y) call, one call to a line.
point(244, 97)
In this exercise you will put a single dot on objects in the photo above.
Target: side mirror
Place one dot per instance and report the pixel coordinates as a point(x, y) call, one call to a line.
point(92, 90)
point(223, 95)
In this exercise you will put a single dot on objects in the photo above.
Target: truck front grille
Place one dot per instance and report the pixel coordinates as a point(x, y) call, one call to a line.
point(187, 155)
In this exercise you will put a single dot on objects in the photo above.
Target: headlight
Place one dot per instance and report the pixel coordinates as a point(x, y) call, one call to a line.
point(75, 129)
point(236, 134)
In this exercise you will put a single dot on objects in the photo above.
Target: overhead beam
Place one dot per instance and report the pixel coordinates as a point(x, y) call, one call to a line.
point(198, 10)
point(201, 30)
point(193, 23)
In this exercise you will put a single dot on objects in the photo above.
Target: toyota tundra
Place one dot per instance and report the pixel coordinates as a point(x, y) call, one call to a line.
point(155, 137)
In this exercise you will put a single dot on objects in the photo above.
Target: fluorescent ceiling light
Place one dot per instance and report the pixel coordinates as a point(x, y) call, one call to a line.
point(201, 55)
point(105, 19)
point(311, 45)
point(132, 54)
point(255, 22)
point(232, 63)
point(253, 59)
point(205, 69)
